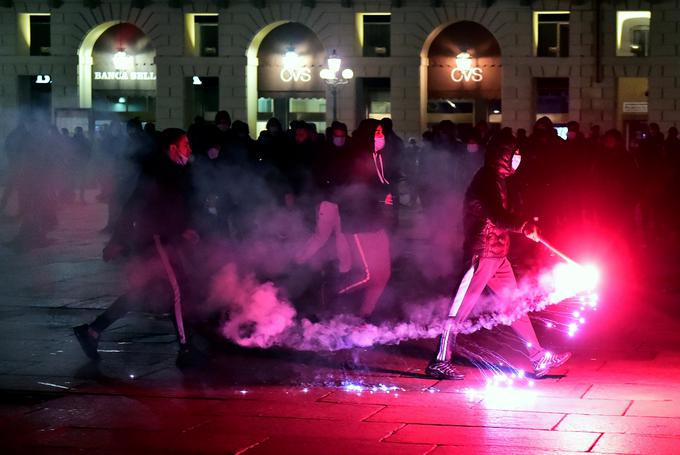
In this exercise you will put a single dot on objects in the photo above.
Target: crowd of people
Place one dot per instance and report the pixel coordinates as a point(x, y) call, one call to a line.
point(274, 204)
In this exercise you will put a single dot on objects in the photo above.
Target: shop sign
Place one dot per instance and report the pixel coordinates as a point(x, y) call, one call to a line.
point(124, 76)
point(467, 74)
point(296, 74)
point(636, 107)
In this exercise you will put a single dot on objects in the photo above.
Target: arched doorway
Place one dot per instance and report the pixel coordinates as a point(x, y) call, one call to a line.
point(284, 61)
point(461, 75)
point(117, 73)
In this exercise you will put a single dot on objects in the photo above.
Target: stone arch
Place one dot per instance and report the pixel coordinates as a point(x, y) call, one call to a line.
point(93, 23)
point(86, 59)
point(426, 50)
point(252, 64)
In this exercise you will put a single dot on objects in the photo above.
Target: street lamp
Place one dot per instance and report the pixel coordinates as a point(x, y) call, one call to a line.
point(330, 76)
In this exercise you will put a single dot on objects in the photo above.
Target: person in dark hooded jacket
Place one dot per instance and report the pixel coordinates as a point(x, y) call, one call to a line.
point(488, 222)
point(156, 225)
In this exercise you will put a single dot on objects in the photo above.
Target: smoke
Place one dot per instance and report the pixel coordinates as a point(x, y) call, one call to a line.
point(258, 315)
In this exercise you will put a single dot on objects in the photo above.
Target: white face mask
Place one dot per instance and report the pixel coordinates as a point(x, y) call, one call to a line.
point(379, 143)
point(473, 148)
point(338, 141)
point(516, 160)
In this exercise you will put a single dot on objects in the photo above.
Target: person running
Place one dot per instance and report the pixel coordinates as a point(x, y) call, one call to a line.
point(156, 225)
point(487, 223)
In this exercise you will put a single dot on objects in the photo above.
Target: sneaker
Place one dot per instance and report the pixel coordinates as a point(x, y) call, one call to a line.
point(87, 341)
point(549, 360)
point(443, 370)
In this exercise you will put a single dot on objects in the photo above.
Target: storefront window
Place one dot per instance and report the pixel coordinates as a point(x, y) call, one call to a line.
point(375, 34)
point(551, 34)
point(40, 34)
point(552, 98)
point(202, 95)
point(633, 108)
point(311, 110)
point(632, 33)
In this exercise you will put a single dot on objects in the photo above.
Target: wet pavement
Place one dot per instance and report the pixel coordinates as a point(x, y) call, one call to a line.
point(619, 394)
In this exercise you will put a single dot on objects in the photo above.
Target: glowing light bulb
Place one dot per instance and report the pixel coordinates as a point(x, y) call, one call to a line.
point(334, 63)
point(291, 60)
point(326, 74)
point(121, 60)
point(463, 61)
point(347, 73)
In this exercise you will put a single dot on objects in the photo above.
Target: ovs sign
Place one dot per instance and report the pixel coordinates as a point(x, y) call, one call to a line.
point(464, 71)
point(469, 74)
point(296, 74)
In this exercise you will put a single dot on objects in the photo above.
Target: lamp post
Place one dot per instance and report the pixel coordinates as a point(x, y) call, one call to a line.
point(330, 76)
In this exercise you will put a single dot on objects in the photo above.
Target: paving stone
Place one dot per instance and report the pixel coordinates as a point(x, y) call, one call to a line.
point(559, 405)
point(655, 409)
point(466, 417)
point(400, 398)
point(133, 416)
point(132, 439)
point(472, 436)
point(665, 426)
point(290, 427)
point(496, 450)
point(636, 444)
point(295, 409)
point(311, 446)
point(634, 392)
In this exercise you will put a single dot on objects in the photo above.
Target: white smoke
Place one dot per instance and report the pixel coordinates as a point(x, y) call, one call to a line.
point(259, 317)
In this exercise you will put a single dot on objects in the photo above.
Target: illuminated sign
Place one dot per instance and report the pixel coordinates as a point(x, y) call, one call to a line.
point(296, 74)
point(124, 76)
point(43, 79)
point(293, 70)
point(464, 71)
point(472, 74)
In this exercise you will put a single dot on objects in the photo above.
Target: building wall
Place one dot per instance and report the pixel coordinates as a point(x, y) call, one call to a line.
point(414, 26)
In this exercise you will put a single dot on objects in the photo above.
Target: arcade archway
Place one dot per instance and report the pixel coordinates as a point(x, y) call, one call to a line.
point(117, 72)
point(461, 75)
point(284, 61)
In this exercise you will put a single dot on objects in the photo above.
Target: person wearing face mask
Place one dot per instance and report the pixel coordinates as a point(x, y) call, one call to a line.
point(156, 226)
point(488, 222)
point(366, 210)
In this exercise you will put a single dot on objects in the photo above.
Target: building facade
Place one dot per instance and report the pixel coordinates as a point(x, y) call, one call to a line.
point(613, 63)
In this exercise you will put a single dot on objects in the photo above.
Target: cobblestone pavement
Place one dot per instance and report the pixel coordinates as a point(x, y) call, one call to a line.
point(619, 394)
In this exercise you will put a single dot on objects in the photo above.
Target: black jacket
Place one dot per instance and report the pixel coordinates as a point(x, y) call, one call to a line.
point(362, 198)
point(161, 204)
point(487, 220)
